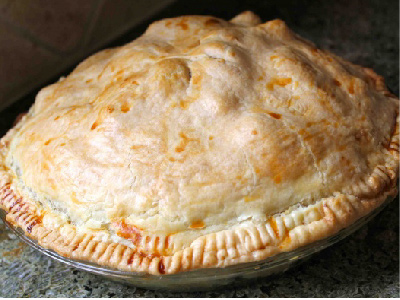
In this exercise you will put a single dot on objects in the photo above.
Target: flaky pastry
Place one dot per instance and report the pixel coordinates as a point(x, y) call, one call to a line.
point(203, 143)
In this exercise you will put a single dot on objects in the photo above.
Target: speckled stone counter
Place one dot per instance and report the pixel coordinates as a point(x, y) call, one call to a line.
point(364, 264)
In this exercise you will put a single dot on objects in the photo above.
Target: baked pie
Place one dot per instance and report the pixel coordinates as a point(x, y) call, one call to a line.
point(203, 143)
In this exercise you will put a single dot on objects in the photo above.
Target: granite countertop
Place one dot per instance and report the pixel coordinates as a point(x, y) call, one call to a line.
point(365, 264)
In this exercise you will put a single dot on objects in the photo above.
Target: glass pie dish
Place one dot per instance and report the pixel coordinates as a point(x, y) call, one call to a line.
point(203, 279)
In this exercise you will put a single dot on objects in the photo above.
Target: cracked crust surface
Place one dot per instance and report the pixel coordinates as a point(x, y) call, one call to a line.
point(203, 143)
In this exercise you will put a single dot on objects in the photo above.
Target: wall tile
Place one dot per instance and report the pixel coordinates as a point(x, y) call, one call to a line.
point(21, 62)
point(59, 24)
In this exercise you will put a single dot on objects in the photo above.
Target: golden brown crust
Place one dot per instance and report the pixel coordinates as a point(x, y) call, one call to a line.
point(282, 232)
point(316, 154)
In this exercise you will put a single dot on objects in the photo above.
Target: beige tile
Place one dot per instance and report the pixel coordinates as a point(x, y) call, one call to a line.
point(117, 15)
point(21, 63)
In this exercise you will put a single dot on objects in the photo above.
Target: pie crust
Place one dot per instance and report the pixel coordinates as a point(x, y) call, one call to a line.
point(203, 143)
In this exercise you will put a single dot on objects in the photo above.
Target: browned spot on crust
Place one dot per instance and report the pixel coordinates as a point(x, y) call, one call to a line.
point(211, 22)
point(48, 142)
point(278, 179)
point(210, 137)
point(286, 242)
point(278, 81)
point(197, 225)
point(274, 57)
point(275, 115)
point(182, 25)
point(183, 104)
point(337, 82)
point(351, 87)
point(161, 267)
point(249, 198)
point(128, 231)
point(4, 144)
point(137, 147)
point(283, 81)
point(76, 246)
point(110, 109)
point(254, 132)
point(264, 111)
point(185, 140)
point(166, 242)
point(197, 79)
point(314, 51)
point(94, 125)
point(302, 131)
point(89, 80)
point(130, 259)
point(125, 107)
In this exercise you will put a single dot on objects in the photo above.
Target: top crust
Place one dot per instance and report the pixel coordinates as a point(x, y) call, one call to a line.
point(203, 126)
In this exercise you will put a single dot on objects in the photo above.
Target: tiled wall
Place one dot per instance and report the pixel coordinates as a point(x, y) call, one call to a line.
point(41, 38)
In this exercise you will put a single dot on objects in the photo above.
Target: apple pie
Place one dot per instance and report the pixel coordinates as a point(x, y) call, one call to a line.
point(203, 143)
